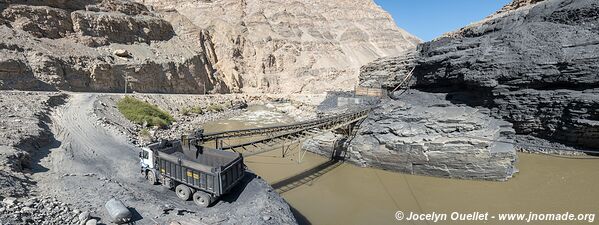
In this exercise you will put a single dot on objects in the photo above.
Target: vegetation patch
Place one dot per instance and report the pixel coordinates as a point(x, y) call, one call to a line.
point(141, 112)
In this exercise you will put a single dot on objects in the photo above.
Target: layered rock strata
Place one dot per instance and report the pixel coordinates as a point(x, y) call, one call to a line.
point(283, 46)
point(534, 64)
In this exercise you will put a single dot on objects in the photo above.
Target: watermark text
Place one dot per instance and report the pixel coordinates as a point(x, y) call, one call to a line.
point(529, 217)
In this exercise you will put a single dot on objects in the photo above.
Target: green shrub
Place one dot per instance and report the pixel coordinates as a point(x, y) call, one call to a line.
point(215, 108)
point(141, 112)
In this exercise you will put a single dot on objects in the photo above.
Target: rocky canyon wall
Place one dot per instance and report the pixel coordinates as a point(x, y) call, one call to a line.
point(290, 46)
point(534, 64)
point(222, 46)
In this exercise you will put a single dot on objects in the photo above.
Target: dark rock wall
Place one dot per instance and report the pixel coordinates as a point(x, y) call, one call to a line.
point(537, 67)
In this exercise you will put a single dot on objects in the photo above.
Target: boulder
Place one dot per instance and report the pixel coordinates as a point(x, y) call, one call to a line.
point(9, 201)
point(91, 222)
point(122, 53)
point(84, 217)
point(118, 212)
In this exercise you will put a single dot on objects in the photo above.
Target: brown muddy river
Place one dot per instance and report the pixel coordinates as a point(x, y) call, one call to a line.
point(352, 195)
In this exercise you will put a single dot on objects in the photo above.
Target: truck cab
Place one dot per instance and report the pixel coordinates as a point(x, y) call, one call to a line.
point(146, 156)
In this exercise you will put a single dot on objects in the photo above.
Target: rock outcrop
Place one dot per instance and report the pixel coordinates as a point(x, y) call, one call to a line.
point(388, 72)
point(534, 64)
point(516, 4)
point(289, 46)
point(69, 45)
point(137, 28)
point(424, 134)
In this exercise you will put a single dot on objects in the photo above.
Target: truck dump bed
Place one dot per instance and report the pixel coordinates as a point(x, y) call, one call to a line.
point(207, 157)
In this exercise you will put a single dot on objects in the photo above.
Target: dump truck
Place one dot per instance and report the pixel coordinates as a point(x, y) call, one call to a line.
point(191, 170)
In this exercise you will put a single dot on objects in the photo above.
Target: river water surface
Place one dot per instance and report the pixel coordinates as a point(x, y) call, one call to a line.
point(352, 195)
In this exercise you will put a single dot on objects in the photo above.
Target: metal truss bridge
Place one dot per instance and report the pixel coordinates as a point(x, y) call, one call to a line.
point(256, 141)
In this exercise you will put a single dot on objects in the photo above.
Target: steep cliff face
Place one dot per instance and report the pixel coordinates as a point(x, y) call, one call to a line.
point(192, 46)
point(535, 65)
point(290, 45)
point(99, 46)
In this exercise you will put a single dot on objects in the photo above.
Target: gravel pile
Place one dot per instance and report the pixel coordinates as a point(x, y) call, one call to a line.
point(41, 210)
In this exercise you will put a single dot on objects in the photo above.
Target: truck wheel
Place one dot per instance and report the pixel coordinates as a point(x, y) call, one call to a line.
point(202, 199)
point(151, 177)
point(183, 192)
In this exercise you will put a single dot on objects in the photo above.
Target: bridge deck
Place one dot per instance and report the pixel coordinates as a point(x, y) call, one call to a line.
point(281, 128)
point(275, 137)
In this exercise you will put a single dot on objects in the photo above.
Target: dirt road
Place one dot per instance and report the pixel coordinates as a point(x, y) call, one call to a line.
point(88, 164)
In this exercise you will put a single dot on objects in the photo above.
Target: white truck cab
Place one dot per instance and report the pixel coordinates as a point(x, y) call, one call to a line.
point(146, 157)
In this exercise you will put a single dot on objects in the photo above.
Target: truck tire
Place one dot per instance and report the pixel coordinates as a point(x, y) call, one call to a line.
point(202, 199)
point(151, 177)
point(183, 192)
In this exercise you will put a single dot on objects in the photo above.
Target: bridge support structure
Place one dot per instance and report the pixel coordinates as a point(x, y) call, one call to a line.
point(284, 137)
point(340, 146)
